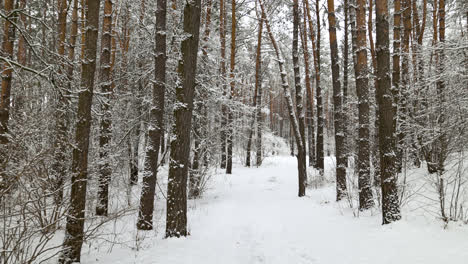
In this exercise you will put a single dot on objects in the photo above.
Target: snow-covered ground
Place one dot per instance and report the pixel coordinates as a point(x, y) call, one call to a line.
point(255, 216)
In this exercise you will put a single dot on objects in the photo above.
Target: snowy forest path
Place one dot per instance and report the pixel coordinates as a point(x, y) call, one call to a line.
point(254, 216)
point(247, 217)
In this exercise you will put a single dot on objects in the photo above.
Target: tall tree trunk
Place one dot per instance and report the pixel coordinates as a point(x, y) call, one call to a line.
point(301, 154)
point(390, 201)
point(258, 91)
point(337, 102)
point(404, 88)
point(176, 219)
point(396, 59)
point(441, 88)
point(222, 32)
point(319, 95)
point(309, 92)
point(7, 76)
point(375, 145)
point(352, 17)
point(301, 166)
point(156, 128)
point(200, 124)
point(362, 89)
point(230, 134)
point(319, 163)
point(76, 213)
point(137, 101)
point(419, 103)
point(105, 78)
point(61, 139)
point(345, 83)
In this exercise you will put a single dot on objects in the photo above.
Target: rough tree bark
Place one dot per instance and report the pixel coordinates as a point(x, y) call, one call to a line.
point(222, 37)
point(319, 163)
point(404, 88)
point(390, 201)
point(76, 213)
point(176, 218)
point(362, 89)
point(61, 140)
point(258, 92)
point(337, 102)
point(200, 125)
point(105, 79)
point(309, 91)
point(396, 58)
point(375, 145)
point(316, 53)
point(230, 134)
point(145, 214)
point(345, 81)
point(301, 154)
point(319, 95)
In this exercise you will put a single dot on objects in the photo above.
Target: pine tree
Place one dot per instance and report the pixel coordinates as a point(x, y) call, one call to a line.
point(390, 201)
point(258, 92)
point(337, 102)
point(230, 133)
point(309, 92)
point(105, 78)
point(200, 125)
point(346, 115)
point(59, 166)
point(319, 95)
point(396, 59)
point(363, 163)
point(301, 153)
point(156, 129)
point(403, 107)
point(375, 145)
point(76, 213)
point(222, 38)
point(176, 219)
point(318, 163)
